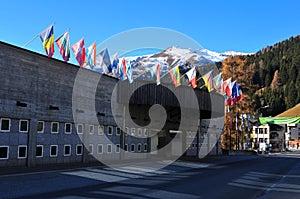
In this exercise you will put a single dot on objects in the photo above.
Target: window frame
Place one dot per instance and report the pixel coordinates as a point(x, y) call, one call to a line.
point(98, 147)
point(140, 132)
point(9, 124)
point(145, 145)
point(67, 145)
point(66, 132)
point(42, 155)
point(27, 126)
point(139, 145)
point(107, 147)
point(79, 145)
point(51, 151)
point(54, 132)
point(132, 145)
point(43, 127)
point(92, 148)
point(117, 150)
point(102, 129)
point(108, 130)
point(132, 131)
point(7, 153)
point(19, 146)
point(77, 129)
point(118, 130)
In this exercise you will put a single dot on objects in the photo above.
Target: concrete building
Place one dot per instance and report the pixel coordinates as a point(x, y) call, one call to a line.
point(39, 124)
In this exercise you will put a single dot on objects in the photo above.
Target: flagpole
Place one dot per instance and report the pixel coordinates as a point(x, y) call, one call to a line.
point(30, 41)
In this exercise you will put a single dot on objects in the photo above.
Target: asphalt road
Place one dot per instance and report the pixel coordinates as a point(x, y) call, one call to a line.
point(271, 176)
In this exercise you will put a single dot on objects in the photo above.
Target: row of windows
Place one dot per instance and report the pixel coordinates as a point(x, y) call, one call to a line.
point(22, 150)
point(5, 125)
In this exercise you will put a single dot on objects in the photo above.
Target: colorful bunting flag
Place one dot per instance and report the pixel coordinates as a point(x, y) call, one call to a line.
point(79, 52)
point(208, 81)
point(105, 63)
point(218, 83)
point(63, 44)
point(47, 37)
point(175, 75)
point(122, 69)
point(239, 95)
point(115, 64)
point(91, 55)
point(191, 74)
point(129, 72)
point(227, 87)
point(155, 70)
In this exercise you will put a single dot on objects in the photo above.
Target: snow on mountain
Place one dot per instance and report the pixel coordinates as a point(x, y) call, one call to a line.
point(176, 56)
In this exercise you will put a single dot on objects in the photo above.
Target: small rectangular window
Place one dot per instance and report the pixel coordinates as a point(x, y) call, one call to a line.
point(109, 148)
point(5, 125)
point(100, 149)
point(23, 126)
point(139, 132)
point(110, 130)
point(67, 150)
point(22, 151)
point(145, 147)
point(126, 147)
point(132, 148)
point(100, 130)
point(53, 150)
point(68, 128)
point(54, 127)
point(139, 147)
point(79, 150)
point(127, 131)
point(118, 131)
point(39, 151)
point(91, 148)
point(117, 148)
point(132, 131)
point(91, 129)
point(40, 126)
point(4, 150)
point(145, 132)
point(79, 128)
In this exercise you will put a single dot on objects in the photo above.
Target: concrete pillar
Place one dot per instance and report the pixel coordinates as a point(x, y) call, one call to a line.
point(32, 142)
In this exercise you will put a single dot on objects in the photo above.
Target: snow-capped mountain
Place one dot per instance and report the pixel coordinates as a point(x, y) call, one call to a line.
point(177, 56)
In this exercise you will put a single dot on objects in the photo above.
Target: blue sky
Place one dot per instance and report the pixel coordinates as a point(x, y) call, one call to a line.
point(245, 26)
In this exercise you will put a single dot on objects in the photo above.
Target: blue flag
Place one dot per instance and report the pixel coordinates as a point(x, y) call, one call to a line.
point(129, 72)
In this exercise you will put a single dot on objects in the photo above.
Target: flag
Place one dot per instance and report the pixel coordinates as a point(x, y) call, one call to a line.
point(233, 90)
point(218, 83)
point(63, 44)
point(208, 81)
point(91, 55)
point(191, 74)
point(227, 87)
point(79, 52)
point(105, 63)
point(239, 95)
point(155, 70)
point(129, 72)
point(47, 37)
point(122, 69)
point(175, 75)
point(115, 63)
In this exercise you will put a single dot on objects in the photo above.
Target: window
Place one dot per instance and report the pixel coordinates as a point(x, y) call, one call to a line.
point(91, 129)
point(146, 132)
point(132, 131)
point(53, 150)
point(91, 148)
point(109, 148)
point(139, 147)
point(100, 148)
point(23, 126)
point(67, 150)
point(117, 148)
point(40, 126)
point(132, 147)
point(54, 127)
point(4, 152)
point(139, 132)
point(110, 130)
point(5, 125)
point(79, 150)
point(79, 128)
point(100, 130)
point(39, 151)
point(118, 131)
point(145, 147)
point(127, 131)
point(126, 147)
point(68, 128)
point(22, 151)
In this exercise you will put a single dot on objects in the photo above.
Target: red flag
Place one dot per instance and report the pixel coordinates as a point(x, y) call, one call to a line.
point(191, 74)
point(79, 52)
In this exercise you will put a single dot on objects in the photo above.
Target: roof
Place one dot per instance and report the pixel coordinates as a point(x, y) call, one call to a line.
point(292, 112)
